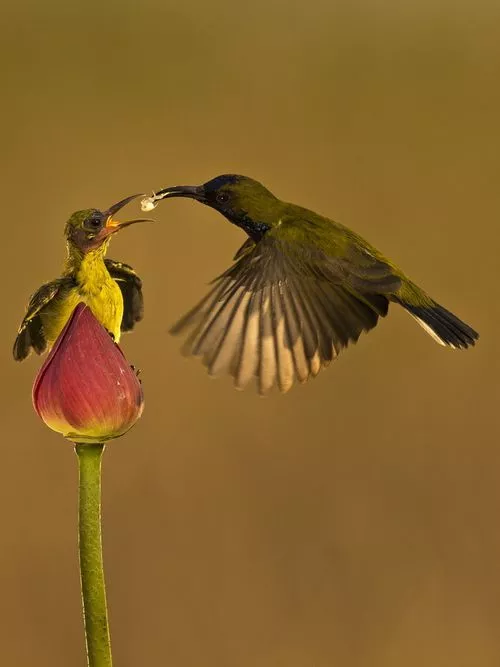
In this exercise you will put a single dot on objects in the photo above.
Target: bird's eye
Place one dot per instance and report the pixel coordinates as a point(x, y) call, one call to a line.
point(94, 223)
point(222, 197)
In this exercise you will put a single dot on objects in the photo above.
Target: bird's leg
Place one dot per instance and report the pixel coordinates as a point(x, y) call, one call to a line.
point(137, 371)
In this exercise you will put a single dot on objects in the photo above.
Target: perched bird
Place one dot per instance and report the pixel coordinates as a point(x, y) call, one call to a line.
point(112, 290)
point(300, 289)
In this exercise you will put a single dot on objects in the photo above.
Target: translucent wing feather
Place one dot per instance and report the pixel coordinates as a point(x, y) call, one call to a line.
point(282, 312)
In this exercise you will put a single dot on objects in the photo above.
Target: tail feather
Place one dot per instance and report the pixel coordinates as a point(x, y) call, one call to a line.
point(443, 326)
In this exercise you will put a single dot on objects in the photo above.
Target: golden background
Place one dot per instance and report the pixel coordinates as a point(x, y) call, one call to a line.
point(354, 521)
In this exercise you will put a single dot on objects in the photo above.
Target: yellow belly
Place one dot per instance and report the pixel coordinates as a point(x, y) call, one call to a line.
point(106, 303)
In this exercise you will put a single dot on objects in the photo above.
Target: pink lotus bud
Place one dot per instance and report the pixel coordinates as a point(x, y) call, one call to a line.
point(86, 389)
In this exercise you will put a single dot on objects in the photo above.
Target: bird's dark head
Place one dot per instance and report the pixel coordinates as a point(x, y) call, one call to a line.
point(243, 201)
point(91, 229)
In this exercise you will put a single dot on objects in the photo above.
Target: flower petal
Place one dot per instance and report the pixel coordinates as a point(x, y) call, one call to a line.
point(86, 389)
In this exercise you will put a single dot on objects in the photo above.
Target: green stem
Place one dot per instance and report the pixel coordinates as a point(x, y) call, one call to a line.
point(95, 612)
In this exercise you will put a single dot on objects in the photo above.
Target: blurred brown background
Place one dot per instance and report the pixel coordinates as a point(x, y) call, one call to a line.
point(354, 521)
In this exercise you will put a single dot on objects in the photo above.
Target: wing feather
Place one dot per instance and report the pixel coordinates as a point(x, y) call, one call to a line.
point(282, 313)
point(231, 332)
point(131, 288)
point(294, 337)
point(282, 343)
point(267, 360)
point(30, 335)
point(246, 360)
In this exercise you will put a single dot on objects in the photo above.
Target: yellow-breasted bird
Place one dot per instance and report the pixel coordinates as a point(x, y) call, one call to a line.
point(112, 290)
point(300, 289)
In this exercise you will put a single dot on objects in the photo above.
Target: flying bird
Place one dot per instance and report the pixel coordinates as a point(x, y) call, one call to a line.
point(301, 288)
point(112, 290)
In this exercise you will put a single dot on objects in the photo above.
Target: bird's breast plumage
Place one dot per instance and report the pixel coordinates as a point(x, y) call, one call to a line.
point(92, 285)
point(106, 305)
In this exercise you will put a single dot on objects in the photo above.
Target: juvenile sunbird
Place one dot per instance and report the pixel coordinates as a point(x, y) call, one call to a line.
point(300, 289)
point(111, 290)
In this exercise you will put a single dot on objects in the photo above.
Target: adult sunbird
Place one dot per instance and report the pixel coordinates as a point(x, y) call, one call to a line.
point(301, 288)
point(112, 290)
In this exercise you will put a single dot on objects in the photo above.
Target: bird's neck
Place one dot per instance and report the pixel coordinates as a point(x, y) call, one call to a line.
point(87, 268)
point(253, 228)
point(258, 216)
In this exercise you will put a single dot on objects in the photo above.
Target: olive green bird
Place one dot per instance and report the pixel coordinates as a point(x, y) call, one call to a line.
point(301, 288)
point(112, 290)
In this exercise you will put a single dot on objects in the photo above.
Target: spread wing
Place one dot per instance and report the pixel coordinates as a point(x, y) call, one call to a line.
point(131, 288)
point(30, 334)
point(283, 311)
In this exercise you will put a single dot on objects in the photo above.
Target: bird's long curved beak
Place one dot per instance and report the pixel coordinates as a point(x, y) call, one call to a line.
point(113, 225)
point(192, 191)
point(119, 205)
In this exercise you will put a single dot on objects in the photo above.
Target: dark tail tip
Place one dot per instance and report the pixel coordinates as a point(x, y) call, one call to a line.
point(443, 326)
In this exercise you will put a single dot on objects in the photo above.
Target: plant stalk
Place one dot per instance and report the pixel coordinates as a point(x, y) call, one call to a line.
point(95, 613)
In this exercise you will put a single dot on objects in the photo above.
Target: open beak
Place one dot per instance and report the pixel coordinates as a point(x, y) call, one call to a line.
point(112, 225)
point(192, 191)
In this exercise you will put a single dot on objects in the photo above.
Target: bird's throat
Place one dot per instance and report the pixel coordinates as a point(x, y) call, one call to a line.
point(95, 286)
point(253, 228)
point(92, 274)
point(88, 269)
